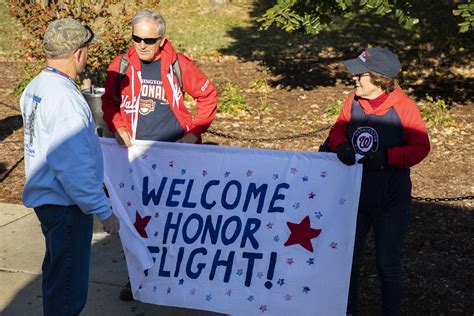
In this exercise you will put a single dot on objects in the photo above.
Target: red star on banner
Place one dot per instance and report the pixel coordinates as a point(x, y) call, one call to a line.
point(302, 234)
point(140, 224)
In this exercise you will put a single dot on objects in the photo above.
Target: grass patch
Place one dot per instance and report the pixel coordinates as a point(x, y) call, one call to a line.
point(198, 30)
point(8, 32)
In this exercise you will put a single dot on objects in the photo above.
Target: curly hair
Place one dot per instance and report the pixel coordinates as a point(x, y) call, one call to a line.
point(386, 83)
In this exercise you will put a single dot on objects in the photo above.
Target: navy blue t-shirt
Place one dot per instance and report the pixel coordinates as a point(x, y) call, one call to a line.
point(156, 121)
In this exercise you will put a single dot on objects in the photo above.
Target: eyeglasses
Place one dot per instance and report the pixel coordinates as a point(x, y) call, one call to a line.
point(148, 41)
point(361, 75)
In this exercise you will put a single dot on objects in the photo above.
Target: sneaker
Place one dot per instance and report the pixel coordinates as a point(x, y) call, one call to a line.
point(126, 293)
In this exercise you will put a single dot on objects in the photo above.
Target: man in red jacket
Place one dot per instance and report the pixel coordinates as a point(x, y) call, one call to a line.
point(381, 123)
point(151, 102)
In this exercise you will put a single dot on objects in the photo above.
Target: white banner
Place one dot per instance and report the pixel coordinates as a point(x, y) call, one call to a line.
point(232, 230)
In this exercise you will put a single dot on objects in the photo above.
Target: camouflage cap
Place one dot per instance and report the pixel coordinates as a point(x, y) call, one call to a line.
point(66, 35)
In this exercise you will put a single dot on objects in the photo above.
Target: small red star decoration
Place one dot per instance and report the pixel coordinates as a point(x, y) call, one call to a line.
point(302, 234)
point(140, 224)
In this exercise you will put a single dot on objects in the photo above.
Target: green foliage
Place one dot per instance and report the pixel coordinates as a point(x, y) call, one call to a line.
point(466, 11)
point(435, 112)
point(262, 87)
point(233, 100)
point(333, 110)
point(314, 16)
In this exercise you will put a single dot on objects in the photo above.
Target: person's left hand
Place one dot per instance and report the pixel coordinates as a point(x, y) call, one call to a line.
point(376, 160)
point(188, 138)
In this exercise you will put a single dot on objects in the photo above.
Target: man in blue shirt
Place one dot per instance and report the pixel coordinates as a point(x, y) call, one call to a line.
point(64, 167)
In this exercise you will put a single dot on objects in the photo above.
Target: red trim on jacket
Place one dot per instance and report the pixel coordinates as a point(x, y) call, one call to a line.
point(417, 142)
point(195, 83)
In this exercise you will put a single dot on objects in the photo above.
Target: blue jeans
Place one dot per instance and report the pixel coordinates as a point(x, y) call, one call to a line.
point(68, 234)
point(390, 228)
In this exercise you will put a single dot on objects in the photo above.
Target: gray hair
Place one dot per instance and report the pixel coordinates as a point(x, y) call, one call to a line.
point(150, 15)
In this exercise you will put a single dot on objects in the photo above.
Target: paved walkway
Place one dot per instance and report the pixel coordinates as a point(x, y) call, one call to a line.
point(21, 255)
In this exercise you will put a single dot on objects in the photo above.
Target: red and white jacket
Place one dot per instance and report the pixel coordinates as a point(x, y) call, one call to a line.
point(195, 83)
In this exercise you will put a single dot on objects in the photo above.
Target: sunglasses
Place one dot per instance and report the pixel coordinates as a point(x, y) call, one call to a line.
point(148, 41)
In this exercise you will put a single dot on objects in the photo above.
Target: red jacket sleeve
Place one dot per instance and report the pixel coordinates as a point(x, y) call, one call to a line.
point(417, 142)
point(197, 85)
point(110, 107)
point(338, 133)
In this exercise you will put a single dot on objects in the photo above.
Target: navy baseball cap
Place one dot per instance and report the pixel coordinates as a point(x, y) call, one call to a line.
point(376, 59)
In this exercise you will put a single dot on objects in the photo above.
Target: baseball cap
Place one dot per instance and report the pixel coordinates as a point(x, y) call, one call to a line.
point(376, 59)
point(66, 35)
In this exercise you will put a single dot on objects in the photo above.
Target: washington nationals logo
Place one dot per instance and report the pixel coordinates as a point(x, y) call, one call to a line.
point(365, 139)
point(146, 106)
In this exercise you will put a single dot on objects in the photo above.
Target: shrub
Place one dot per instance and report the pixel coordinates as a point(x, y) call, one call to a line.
point(435, 112)
point(333, 110)
point(109, 18)
point(233, 100)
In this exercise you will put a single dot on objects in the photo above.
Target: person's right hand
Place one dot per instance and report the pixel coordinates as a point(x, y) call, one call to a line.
point(123, 137)
point(111, 224)
point(346, 153)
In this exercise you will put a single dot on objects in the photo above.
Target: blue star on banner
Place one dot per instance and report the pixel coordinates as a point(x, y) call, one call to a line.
point(276, 238)
point(293, 170)
point(204, 173)
point(263, 308)
point(153, 166)
point(333, 245)
point(144, 156)
point(311, 195)
point(181, 281)
point(310, 261)
point(288, 297)
point(132, 188)
point(226, 174)
point(154, 288)
point(260, 275)
point(305, 178)
point(290, 261)
point(342, 201)
point(275, 176)
point(240, 272)
point(129, 203)
point(306, 289)
point(249, 173)
point(270, 225)
point(171, 163)
point(250, 298)
point(318, 214)
point(281, 282)
point(208, 297)
point(296, 205)
point(121, 185)
point(168, 290)
point(228, 292)
point(323, 174)
point(183, 172)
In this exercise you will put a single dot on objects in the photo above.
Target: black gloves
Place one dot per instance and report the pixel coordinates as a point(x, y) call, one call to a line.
point(346, 153)
point(375, 160)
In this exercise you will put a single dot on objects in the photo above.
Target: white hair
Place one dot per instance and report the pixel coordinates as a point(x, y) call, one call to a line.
point(150, 15)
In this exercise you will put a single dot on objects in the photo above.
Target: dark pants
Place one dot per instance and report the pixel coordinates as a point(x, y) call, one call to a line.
point(389, 231)
point(68, 234)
